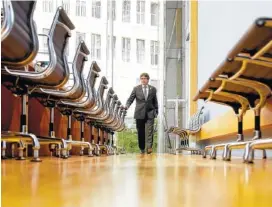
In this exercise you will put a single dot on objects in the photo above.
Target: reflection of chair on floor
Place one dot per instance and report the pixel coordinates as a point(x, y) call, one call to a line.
point(244, 81)
point(194, 127)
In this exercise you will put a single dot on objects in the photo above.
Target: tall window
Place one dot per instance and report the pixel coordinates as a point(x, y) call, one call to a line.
point(126, 11)
point(154, 83)
point(113, 9)
point(48, 6)
point(66, 6)
point(96, 9)
point(45, 44)
point(79, 37)
point(140, 50)
point(154, 52)
point(140, 12)
point(126, 49)
point(96, 46)
point(113, 45)
point(81, 8)
point(154, 14)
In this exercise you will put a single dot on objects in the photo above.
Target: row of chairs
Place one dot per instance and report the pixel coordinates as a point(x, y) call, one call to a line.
point(47, 81)
point(244, 82)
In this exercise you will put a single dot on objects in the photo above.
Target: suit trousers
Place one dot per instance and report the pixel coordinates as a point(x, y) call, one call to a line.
point(145, 128)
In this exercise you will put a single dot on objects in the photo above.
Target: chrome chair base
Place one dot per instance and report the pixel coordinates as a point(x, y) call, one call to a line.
point(247, 146)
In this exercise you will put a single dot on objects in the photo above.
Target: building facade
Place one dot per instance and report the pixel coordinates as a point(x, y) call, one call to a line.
point(124, 43)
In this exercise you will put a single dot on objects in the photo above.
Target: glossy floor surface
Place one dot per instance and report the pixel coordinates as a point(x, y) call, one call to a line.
point(136, 180)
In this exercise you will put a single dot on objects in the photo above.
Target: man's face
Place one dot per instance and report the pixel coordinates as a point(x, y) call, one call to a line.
point(144, 80)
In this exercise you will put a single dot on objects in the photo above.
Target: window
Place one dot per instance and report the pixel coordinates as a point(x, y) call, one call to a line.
point(48, 6)
point(154, 14)
point(140, 12)
point(140, 50)
point(154, 52)
point(138, 81)
point(113, 9)
point(81, 8)
point(126, 49)
point(96, 9)
point(154, 83)
point(66, 6)
point(45, 44)
point(126, 11)
point(113, 45)
point(96, 46)
point(79, 37)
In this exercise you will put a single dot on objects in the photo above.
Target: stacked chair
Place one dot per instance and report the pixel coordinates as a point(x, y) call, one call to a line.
point(244, 82)
point(24, 77)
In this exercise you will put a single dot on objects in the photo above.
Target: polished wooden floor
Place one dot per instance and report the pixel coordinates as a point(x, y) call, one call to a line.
point(136, 180)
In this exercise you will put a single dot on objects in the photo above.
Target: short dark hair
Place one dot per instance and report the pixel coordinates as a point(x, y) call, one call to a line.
point(145, 75)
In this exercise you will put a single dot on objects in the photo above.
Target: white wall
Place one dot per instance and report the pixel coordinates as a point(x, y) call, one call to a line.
point(220, 25)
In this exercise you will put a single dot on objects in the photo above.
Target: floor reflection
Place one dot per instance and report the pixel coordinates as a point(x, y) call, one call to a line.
point(136, 180)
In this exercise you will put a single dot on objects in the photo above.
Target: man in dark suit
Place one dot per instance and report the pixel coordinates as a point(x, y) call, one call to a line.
point(145, 112)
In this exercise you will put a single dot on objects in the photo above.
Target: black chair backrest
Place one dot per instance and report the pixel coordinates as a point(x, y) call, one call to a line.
point(77, 91)
point(100, 92)
point(91, 80)
point(109, 98)
point(113, 107)
point(56, 73)
point(59, 34)
point(116, 119)
point(20, 46)
point(78, 65)
point(117, 109)
point(113, 104)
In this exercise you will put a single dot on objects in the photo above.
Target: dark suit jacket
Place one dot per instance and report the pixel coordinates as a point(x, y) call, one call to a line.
point(144, 107)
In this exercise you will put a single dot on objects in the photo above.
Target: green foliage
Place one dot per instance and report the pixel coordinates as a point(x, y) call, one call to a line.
point(129, 140)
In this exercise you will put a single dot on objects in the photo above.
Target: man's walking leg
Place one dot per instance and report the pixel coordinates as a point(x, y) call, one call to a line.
point(149, 126)
point(140, 124)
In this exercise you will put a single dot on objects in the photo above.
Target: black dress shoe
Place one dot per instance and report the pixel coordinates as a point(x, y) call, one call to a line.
point(142, 151)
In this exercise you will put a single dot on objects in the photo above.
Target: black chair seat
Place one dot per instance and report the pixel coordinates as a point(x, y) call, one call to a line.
point(76, 91)
point(88, 101)
point(98, 108)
